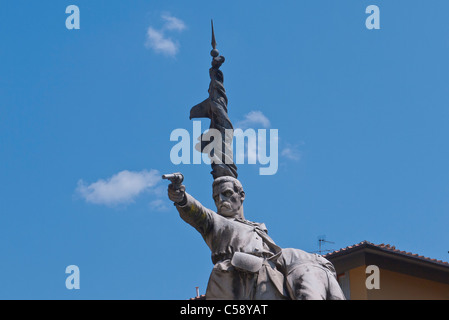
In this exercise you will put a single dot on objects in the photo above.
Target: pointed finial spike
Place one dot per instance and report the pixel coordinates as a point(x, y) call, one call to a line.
point(214, 53)
point(214, 43)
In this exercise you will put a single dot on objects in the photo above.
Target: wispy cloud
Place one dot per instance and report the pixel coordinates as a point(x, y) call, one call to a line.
point(159, 41)
point(121, 188)
point(253, 119)
point(173, 23)
point(161, 44)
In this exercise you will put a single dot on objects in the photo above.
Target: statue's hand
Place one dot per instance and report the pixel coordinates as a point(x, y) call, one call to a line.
point(177, 195)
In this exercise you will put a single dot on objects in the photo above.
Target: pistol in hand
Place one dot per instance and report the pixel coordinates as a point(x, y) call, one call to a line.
point(176, 191)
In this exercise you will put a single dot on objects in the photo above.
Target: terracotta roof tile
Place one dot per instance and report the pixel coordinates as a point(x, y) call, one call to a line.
point(387, 247)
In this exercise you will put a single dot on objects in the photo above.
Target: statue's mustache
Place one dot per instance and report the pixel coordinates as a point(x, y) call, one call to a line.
point(225, 205)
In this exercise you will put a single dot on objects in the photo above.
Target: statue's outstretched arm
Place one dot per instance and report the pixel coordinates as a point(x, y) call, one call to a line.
point(195, 214)
point(190, 210)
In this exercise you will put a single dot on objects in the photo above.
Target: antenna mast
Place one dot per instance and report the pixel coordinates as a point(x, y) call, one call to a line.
point(321, 242)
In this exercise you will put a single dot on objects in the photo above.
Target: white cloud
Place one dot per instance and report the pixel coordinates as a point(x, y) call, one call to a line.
point(254, 118)
point(173, 23)
point(121, 188)
point(157, 41)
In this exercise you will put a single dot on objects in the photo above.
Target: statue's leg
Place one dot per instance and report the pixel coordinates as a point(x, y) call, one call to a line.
point(334, 291)
point(307, 282)
point(313, 282)
point(310, 276)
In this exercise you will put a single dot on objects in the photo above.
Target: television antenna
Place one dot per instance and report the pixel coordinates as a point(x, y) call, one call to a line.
point(321, 242)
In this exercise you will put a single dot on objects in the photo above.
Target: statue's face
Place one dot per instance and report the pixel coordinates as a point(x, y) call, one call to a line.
point(227, 200)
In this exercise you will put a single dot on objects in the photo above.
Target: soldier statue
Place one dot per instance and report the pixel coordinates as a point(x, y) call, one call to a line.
point(248, 265)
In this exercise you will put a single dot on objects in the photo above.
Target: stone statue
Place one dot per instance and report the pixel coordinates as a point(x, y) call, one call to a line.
point(248, 265)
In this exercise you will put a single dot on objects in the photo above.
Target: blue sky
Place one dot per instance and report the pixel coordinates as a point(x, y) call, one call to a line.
point(86, 117)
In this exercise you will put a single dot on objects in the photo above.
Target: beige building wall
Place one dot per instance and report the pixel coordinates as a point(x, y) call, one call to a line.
point(357, 286)
point(395, 286)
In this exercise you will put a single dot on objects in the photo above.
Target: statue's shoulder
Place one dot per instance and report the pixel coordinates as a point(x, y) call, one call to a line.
point(262, 226)
point(258, 225)
point(298, 255)
point(294, 257)
point(301, 256)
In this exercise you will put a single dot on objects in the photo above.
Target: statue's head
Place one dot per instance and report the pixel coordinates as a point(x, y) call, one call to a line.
point(228, 195)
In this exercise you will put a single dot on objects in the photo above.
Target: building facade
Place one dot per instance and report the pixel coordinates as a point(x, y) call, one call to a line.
point(367, 271)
